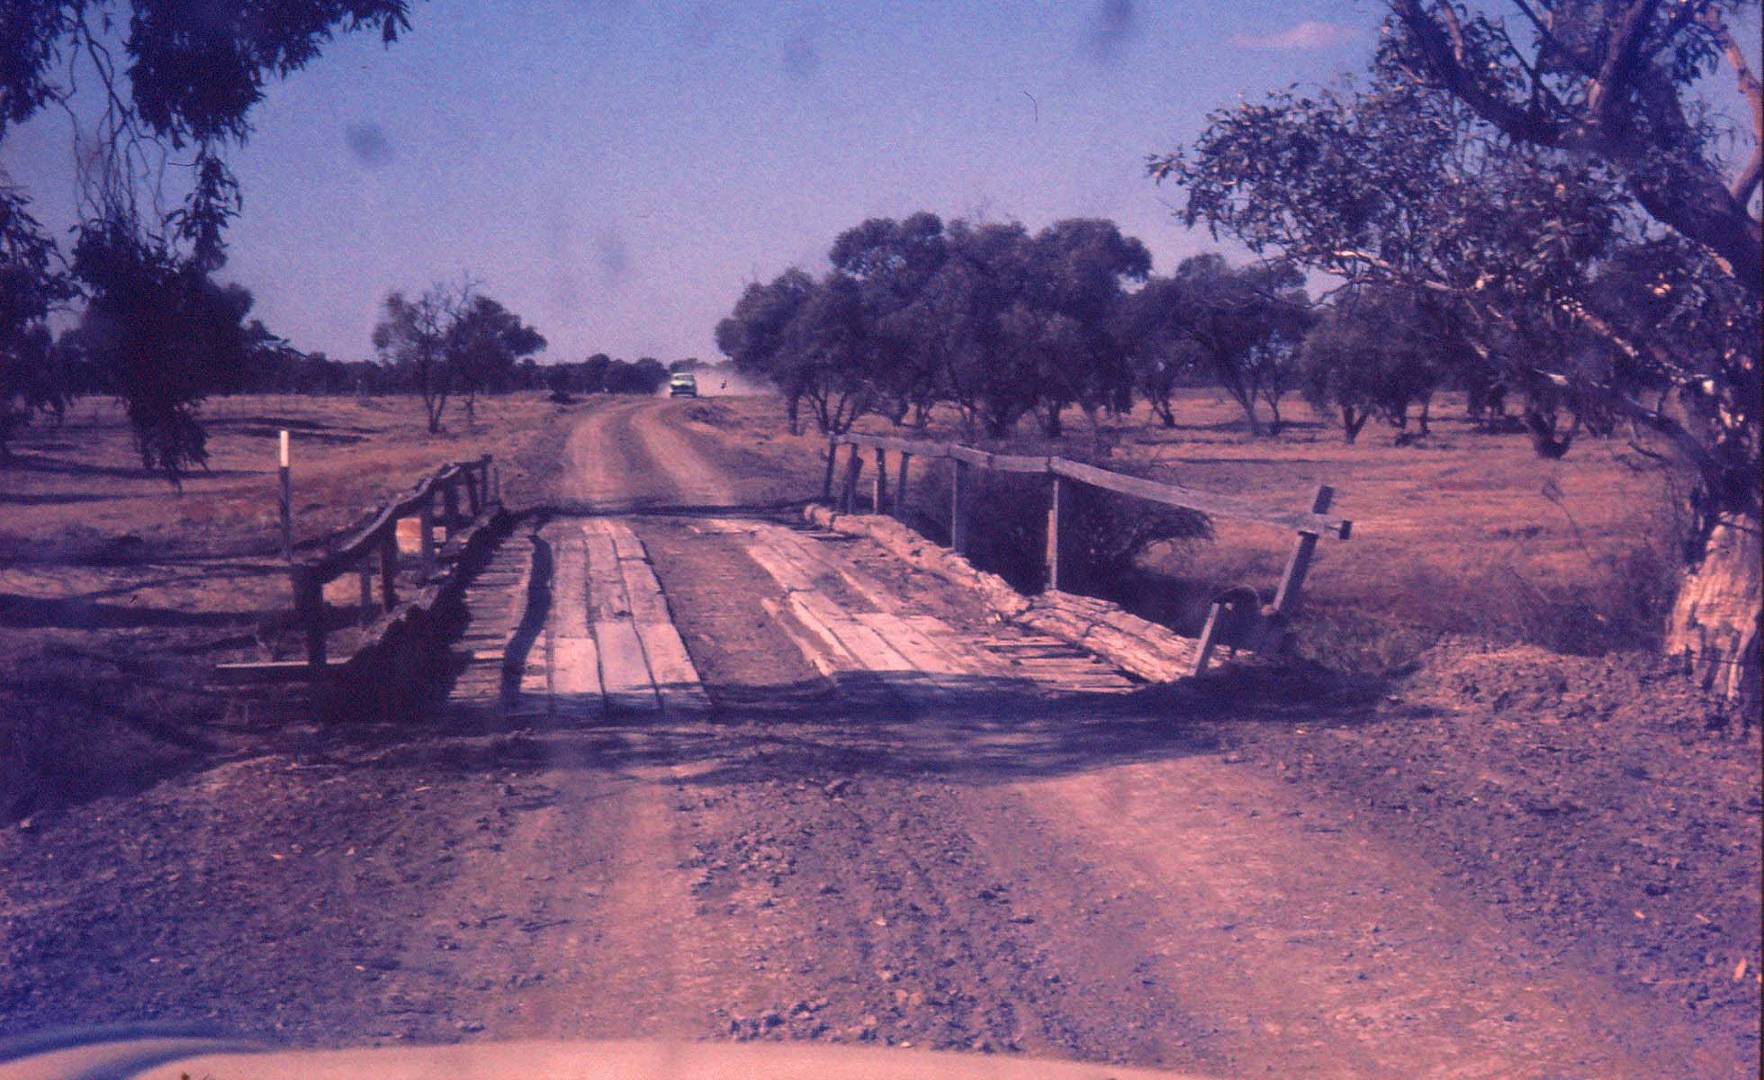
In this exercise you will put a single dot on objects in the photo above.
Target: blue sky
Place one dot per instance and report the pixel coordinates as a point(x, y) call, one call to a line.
point(618, 171)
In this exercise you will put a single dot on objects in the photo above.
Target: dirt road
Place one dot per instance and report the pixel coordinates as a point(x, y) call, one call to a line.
point(900, 823)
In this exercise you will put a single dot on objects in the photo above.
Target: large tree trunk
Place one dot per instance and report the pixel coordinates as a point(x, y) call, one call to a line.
point(1715, 621)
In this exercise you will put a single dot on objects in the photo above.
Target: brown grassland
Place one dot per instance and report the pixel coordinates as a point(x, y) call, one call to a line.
point(118, 594)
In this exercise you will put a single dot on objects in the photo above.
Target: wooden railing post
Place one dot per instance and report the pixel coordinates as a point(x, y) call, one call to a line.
point(879, 484)
point(900, 486)
point(427, 517)
point(389, 565)
point(853, 465)
point(1055, 511)
point(958, 528)
point(367, 586)
point(1292, 580)
point(473, 482)
point(450, 507)
point(309, 612)
point(827, 477)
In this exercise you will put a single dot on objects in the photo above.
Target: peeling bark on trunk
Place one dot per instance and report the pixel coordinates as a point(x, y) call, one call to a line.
point(1715, 621)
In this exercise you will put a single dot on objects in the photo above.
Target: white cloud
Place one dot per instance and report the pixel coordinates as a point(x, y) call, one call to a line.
point(1309, 34)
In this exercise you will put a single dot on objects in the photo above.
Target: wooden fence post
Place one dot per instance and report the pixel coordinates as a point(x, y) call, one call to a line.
point(427, 516)
point(286, 500)
point(853, 466)
point(389, 565)
point(900, 486)
point(958, 528)
point(309, 612)
point(1292, 581)
point(879, 484)
point(473, 482)
point(827, 479)
point(1055, 508)
point(450, 507)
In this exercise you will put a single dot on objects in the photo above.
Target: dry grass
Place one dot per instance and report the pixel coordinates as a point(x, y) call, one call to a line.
point(1463, 532)
point(112, 584)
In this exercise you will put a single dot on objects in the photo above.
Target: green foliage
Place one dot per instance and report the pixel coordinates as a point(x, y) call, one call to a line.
point(30, 288)
point(161, 334)
point(1377, 352)
point(193, 73)
point(988, 317)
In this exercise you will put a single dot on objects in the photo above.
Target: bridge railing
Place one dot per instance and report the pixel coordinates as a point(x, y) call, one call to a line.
point(372, 550)
point(1230, 620)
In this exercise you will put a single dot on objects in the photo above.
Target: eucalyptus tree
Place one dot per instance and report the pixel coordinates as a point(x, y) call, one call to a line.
point(1506, 156)
point(142, 81)
point(891, 262)
point(1245, 325)
point(31, 287)
point(753, 336)
point(1070, 317)
point(1377, 352)
point(1159, 354)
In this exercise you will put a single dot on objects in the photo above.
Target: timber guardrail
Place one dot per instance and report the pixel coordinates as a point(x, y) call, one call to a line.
point(373, 549)
point(1232, 620)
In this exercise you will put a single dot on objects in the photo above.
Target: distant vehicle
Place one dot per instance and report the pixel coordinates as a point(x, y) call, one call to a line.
point(683, 385)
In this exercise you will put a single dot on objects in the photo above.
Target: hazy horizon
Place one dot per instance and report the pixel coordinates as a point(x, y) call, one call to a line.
point(617, 174)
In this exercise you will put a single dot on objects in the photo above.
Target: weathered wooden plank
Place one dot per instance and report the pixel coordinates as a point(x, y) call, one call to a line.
point(955, 646)
point(576, 687)
point(813, 564)
point(920, 652)
point(785, 567)
point(569, 586)
point(864, 644)
point(671, 668)
point(643, 593)
point(1207, 502)
point(624, 673)
point(814, 650)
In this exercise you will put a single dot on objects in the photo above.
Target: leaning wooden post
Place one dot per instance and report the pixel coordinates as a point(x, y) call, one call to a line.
point(879, 484)
point(367, 585)
point(1056, 497)
point(827, 477)
point(309, 612)
point(474, 502)
point(1292, 581)
point(389, 565)
point(900, 486)
point(450, 507)
point(958, 528)
point(427, 518)
point(287, 501)
point(853, 466)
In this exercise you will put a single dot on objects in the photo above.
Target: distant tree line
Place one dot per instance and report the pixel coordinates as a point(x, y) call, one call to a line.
point(1001, 324)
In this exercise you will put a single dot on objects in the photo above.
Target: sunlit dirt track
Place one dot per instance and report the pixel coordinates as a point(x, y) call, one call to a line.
point(978, 842)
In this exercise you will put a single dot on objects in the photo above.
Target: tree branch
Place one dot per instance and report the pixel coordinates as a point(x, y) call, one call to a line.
point(1445, 53)
point(1606, 92)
